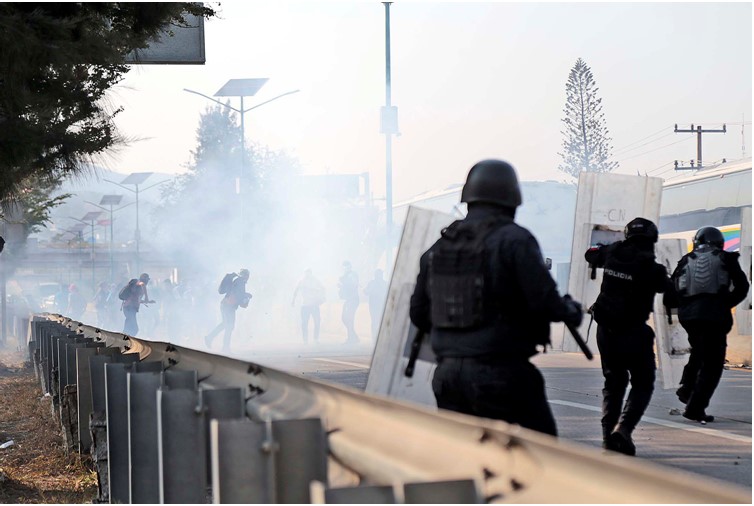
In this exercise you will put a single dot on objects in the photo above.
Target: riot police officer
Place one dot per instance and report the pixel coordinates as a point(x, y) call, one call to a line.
point(702, 291)
point(486, 299)
point(631, 278)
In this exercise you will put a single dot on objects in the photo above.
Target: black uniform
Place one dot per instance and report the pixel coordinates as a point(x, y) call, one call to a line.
point(631, 278)
point(483, 367)
point(707, 319)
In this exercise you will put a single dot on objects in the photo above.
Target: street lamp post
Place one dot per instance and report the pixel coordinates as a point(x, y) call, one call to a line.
point(111, 200)
point(76, 232)
point(89, 219)
point(137, 178)
point(388, 126)
point(241, 88)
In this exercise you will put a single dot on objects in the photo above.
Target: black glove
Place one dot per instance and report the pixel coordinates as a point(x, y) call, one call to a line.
point(574, 313)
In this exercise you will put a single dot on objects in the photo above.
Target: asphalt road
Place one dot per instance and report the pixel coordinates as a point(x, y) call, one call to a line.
point(719, 450)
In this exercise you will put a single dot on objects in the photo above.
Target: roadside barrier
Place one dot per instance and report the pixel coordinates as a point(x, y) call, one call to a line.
point(184, 426)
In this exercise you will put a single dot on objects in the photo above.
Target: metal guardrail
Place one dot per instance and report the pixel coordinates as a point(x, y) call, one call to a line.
point(306, 441)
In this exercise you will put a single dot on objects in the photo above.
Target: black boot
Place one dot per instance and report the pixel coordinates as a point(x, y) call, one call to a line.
point(606, 430)
point(698, 417)
point(620, 441)
point(683, 394)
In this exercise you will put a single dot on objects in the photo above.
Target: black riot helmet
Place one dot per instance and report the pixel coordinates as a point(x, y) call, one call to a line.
point(641, 227)
point(492, 182)
point(709, 235)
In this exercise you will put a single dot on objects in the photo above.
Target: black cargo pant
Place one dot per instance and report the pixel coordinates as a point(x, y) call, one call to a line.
point(513, 391)
point(702, 373)
point(627, 354)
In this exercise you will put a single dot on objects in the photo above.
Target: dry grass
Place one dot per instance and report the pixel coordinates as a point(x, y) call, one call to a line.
point(36, 469)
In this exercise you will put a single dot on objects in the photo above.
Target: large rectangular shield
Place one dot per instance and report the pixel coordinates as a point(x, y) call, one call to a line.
point(386, 375)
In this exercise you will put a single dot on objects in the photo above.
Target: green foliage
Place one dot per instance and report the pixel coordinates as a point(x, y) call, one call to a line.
point(586, 144)
point(29, 212)
point(56, 64)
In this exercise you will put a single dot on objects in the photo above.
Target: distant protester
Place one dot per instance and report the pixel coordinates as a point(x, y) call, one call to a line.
point(76, 303)
point(101, 299)
point(133, 295)
point(348, 290)
point(312, 296)
point(234, 287)
point(376, 291)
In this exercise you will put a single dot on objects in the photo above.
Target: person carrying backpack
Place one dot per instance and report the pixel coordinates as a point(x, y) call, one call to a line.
point(486, 299)
point(133, 295)
point(707, 284)
point(234, 288)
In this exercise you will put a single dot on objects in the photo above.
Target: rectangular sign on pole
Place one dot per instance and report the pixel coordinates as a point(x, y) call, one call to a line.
point(176, 45)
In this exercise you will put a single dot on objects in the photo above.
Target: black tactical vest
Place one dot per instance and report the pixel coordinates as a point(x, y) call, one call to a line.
point(456, 282)
point(626, 296)
point(704, 272)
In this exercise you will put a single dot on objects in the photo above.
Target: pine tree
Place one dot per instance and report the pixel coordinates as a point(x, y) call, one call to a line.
point(586, 146)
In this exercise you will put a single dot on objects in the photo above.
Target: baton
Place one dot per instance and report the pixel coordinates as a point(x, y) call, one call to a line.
point(577, 337)
point(414, 355)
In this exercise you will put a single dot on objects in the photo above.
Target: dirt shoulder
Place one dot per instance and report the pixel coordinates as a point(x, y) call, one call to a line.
point(35, 469)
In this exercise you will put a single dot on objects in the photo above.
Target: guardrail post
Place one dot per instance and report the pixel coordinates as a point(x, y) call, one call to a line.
point(220, 404)
point(302, 457)
point(233, 442)
point(98, 417)
point(181, 447)
point(174, 379)
point(442, 492)
point(84, 392)
point(143, 459)
point(97, 375)
point(69, 418)
point(280, 458)
point(377, 494)
point(116, 402)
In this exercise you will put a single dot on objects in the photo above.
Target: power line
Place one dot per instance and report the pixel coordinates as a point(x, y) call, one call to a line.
point(646, 143)
point(658, 168)
point(655, 149)
point(643, 138)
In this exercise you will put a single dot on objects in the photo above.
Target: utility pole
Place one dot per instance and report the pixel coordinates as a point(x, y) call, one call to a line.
point(743, 136)
point(698, 131)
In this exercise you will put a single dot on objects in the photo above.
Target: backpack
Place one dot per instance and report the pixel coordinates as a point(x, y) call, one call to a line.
point(227, 283)
point(127, 290)
point(456, 276)
point(704, 273)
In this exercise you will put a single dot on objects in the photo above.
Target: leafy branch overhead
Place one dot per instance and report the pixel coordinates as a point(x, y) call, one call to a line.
point(586, 143)
point(57, 62)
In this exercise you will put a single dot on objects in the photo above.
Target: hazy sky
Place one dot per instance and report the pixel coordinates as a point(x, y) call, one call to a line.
point(471, 81)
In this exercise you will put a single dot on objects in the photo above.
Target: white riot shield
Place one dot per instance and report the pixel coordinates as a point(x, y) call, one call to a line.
point(386, 374)
point(605, 203)
point(743, 310)
point(672, 340)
